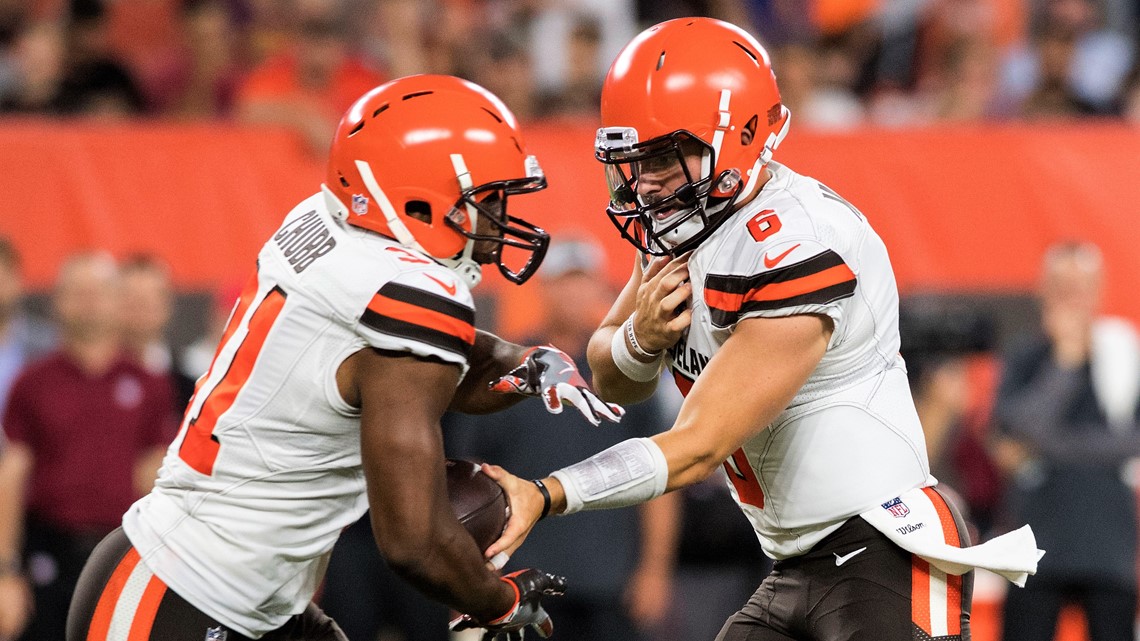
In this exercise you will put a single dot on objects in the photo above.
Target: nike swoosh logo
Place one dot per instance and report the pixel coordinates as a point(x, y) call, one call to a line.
point(840, 560)
point(447, 287)
point(772, 262)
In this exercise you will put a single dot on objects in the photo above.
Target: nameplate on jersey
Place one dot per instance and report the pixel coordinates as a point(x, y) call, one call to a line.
point(686, 359)
point(304, 240)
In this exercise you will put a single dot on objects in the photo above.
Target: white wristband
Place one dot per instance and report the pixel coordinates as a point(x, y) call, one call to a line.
point(634, 369)
point(631, 472)
point(632, 336)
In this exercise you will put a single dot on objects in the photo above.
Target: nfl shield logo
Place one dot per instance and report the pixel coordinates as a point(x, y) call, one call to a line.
point(896, 507)
point(359, 204)
point(216, 634)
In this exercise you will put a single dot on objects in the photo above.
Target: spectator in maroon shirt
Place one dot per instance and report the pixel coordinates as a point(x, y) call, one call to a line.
point(86, 429)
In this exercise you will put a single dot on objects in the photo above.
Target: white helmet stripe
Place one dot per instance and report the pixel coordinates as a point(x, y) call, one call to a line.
point(397, 226)
point(724, 116)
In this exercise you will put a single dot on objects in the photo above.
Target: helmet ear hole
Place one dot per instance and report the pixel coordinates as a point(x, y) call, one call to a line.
point(748, 133)
point(418, 209)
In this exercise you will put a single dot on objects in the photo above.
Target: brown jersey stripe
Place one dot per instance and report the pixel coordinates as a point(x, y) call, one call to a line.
point(384, 306)
point(781, 290)
point(415, 332)
point(839, 291)
point(737, 284)
point(427, 300)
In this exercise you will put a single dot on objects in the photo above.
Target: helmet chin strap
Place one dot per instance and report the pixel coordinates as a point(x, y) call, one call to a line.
point(335, 207)
point(682, 232)
point(465, 264)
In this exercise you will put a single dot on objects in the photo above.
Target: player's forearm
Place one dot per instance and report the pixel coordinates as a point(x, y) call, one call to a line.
point(491, 357)
point(443, 563)
point(609, 381)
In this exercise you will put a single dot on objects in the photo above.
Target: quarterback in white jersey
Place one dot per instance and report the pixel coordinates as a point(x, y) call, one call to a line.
point(851, 428)
point(355, 333)
point(773, 301)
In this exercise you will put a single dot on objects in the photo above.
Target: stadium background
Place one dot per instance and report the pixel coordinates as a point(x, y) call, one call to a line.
point(966, 205)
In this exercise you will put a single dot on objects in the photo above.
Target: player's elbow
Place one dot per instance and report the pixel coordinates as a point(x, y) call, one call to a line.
point(403, 539)
point(704, 465)
point(405, 555)
point(691, 460)
point(408, 567)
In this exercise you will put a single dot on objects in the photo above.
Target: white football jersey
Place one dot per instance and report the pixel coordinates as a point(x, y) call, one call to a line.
point(266, 470)
point(851, 436)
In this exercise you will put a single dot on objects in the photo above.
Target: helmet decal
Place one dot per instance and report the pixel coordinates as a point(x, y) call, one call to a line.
point(394, 223)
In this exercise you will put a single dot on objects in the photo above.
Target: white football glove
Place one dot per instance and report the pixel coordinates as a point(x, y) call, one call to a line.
point(551, 373)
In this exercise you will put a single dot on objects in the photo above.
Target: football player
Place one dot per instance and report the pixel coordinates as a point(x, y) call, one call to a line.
point(350, 340)
point(773, 302)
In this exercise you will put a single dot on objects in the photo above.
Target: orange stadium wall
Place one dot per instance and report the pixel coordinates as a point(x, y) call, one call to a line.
point(960, 208)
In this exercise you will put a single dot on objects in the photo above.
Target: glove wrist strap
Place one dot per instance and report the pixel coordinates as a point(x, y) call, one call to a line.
point(514, 606)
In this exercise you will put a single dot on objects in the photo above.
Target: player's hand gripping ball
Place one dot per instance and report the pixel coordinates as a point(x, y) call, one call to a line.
point(478, 501)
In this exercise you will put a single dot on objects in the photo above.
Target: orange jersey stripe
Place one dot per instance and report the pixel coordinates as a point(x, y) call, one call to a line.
point(949, 526)
point(777, 291)
point(953, 583)
point(147, 610)
point(920, 592)
point(423, 317)
point(105, 609)
point(803, 285)
point(953, 604)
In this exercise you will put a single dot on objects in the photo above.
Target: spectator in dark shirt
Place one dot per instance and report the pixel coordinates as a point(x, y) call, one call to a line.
point(147, 305)
point(1068, 399)
point(86, 430)
point(21, 340)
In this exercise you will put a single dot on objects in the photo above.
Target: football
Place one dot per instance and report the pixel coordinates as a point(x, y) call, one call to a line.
point(478, 501)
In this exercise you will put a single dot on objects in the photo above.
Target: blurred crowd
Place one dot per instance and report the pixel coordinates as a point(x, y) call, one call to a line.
point(300, 63)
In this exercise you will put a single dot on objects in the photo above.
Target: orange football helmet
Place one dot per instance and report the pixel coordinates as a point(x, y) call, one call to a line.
point(695, 85)
point(429, 161)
